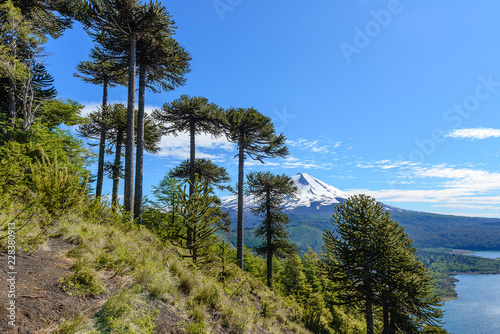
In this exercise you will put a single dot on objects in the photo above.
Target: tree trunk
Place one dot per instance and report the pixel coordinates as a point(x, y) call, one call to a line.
point(140, 146)
point(129, 147)
point(239, 239)
point(192, 157)
point(102, 141)
point(269, 236)
point(116, 170)
point(12, 102)
point(369, 316)
point(385, 313)
point(12, 86)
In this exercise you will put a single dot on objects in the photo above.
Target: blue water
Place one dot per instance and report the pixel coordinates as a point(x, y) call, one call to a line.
point(477, 309)
point(487, 254)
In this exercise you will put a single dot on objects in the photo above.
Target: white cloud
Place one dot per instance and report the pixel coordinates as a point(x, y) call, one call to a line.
point(91, 106)
point(178, 147)
point(478, 133)
point(467, 206)
point(445, 185)
point(322, 145)
point(292, 162)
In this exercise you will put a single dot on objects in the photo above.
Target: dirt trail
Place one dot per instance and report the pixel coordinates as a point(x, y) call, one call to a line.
point(39, 300)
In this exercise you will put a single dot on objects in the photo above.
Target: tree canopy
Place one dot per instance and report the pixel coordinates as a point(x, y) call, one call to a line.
point(373, 264)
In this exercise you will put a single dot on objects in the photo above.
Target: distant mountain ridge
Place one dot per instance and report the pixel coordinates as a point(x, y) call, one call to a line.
point(314, 197)
point(311, 210)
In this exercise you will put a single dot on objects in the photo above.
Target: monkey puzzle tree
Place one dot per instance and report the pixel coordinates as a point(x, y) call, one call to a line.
point(202, 215)
point(113, 22)
point(215, 175)
point(255, 137)
point(270, 193)
point(194, 115)
point(105, 71)
point(162, 66)
point(115, 124)
point(372, 263)
point(406, 299)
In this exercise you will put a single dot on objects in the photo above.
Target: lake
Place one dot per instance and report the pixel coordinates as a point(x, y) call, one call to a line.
point(487, 254)
point(477, 309)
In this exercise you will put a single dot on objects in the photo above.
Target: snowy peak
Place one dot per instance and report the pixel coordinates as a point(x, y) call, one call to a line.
point(314, 197)
point(314, 193)
point(308, 184)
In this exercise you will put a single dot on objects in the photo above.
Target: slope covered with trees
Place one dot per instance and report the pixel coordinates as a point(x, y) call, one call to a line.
point(139, 265)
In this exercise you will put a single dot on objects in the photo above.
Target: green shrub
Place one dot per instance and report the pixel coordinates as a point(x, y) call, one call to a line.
point(82, 282)
point(55, 188)
point(126, 311)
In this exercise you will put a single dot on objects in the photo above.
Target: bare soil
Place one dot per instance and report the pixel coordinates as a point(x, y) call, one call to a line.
point(40, 301)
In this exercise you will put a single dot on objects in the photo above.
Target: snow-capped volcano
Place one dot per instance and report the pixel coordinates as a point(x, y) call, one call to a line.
point(314, 192)
point(313, 195)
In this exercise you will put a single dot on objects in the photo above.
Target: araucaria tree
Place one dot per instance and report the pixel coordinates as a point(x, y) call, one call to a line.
point(142, 35)
point(113, 122)
point(270, 193)
point(216, 176)
point(202, 215)
point(162, 65)
point(194, 115)
point(255, 137)
point(122, 22)
point(105, 71)
point(373, 264)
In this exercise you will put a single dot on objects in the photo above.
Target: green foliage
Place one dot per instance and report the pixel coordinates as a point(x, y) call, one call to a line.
point(15, 28)
point(270, 192)
point(126, 312)
point(17, 156)
point(56, 112)
point(316, 315)
point(54, 187)
point(225, 256)
point(312, 262)
point(373, 263)
point(83, 281)
point(202, 215)
point(193, 114)
point(294, 280)
point(215, 175)
point(254, 133)
point(165, 193)
point(101, 69)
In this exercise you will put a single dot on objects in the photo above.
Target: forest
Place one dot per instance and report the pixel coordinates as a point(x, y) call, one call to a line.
point(170, 254)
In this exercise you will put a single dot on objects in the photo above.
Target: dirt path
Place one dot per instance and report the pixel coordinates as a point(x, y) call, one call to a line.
point(39, 300)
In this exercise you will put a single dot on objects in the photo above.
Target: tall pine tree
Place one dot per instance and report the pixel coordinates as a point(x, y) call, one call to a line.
point(373, 264)
point(105, 71)
point(255, 137)
point(270, 193)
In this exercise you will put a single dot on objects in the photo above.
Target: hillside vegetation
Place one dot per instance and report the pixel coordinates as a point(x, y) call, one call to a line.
point(79, 263)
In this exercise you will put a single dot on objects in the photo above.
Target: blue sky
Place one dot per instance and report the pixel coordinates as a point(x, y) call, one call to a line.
point(396, 99)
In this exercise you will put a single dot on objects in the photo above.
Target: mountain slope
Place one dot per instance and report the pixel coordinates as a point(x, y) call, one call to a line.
point(315, 197)
point(311, 210)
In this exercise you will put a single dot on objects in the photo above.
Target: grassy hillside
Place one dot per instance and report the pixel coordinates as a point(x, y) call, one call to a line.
point(155, 284)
